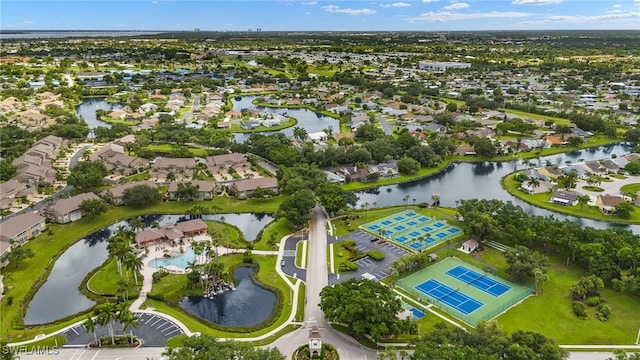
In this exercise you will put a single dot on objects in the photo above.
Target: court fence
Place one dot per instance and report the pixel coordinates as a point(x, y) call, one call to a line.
point(478, 315)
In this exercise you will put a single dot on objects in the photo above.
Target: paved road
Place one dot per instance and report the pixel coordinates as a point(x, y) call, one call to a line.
point(98, 354)
point(590, 355)
point(194, 106)
point(317, 278)
point(386, 127)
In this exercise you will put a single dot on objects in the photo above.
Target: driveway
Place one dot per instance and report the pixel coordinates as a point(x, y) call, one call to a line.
point(154, 330)
point(289, 257)
point(386, 127)
point(364, 243)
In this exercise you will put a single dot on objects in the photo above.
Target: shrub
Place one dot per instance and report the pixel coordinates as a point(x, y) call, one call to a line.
point(603, 312)
point(376, 254)
point(347, 266)
point(594, 301)
point(349, 243)
point(579, 310)
point(156, 276)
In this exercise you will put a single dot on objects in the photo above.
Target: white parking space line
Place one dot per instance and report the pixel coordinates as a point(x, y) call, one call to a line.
point(157, 321)
point(172, 328)
point(163, 325)
point(74, 330)
point(172, 332)
point(151, 318)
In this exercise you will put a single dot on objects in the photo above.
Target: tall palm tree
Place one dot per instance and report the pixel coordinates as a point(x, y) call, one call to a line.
point(136, 223)
point(118, 248)
point(128, 319)
point(90, 325)
point(533, 183)
point(106, 313)
point(133, 263)
point(405, 199)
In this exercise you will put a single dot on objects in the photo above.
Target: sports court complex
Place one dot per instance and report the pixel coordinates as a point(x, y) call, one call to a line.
point(463, 290)
point(408, 227)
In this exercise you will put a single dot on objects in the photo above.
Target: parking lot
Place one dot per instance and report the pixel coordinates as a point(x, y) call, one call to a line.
point(289, 258)
point(364, 243)
point(154, 330)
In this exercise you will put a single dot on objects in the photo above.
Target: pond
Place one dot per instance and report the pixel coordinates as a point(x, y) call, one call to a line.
point(311, 121)
point(87, 111)
point(59, 296)
point(247, 305)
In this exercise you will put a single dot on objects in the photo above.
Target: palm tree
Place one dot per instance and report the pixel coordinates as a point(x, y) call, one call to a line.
point(118, 248)
point(405, 199)
point(537, 274)
point(583, 200)
point(90, 325)
point(136, 223)
point(533, 183)
point(134, 263)
point(128, 319)
point(106, 313)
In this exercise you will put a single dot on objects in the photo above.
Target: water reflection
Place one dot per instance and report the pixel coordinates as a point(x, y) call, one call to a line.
point(59, 295)
point(248, 305)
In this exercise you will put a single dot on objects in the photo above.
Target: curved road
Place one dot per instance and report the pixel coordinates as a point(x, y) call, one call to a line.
point(317, 279)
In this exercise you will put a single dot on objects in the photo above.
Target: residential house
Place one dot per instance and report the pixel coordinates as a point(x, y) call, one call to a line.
point(165, 168)
point(607, 203)
point(352, 173)
point(543, 186)
point(21, 228)
point(552, 172)
point(116, 193)
point(466, 150)
point(125, 164)
point(566, 198)
point(334, 178)
point(245, 187)
point(206, 190)
point(224, 162)
point(386, 170)
point(250, 124)
point(610, 166)
point(67, 210)
point(9, 189)
point(175, 232)
point(554, 140)
point(594, 167)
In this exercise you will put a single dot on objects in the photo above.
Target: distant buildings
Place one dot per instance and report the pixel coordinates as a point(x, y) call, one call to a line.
point(442, 66)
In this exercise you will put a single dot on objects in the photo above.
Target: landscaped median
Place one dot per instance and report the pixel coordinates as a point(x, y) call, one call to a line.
point(541, 200)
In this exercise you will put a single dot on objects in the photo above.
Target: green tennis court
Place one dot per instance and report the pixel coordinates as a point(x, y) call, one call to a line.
point(464, 291)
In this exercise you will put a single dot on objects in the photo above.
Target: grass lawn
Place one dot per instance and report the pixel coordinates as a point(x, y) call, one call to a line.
point(167, 148)
point(550, 313)
point(229, 235)
point(542, 200)
point(236, 128)
point(300, 255)
point(557, 120)
point(278, 229)
point(635, 187)
point(105, 281)
point(171, 287)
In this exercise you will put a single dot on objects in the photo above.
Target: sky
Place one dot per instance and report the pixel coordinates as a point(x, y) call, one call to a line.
point(320, 15)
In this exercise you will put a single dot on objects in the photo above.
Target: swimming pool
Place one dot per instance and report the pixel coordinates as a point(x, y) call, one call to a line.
point(181, 261)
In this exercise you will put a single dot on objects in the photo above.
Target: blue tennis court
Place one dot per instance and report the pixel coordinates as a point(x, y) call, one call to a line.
point(449, 296)
point(417, 313)
point(410, 214)
point(441, 235)
point(415, 245)
point(402, 239)
point(412, 223)
point(453, 230)
point(399, 228)
point(414, 234)
point(438, 224)
point(423, 219)
point(478, 281)
point(386, 222)
point(373, 227)
point(426, 229)
point(398, 218)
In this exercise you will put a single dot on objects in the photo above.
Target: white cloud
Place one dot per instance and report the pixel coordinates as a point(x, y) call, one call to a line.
point(444, 16)
point(308, 13)
point(592, 18)
point(21, 23)
point(396, 4)
point(617, 6)
point(429, 1)
point(535, 2)
point(456, 6)
point(310, 3)
point(338, 9)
